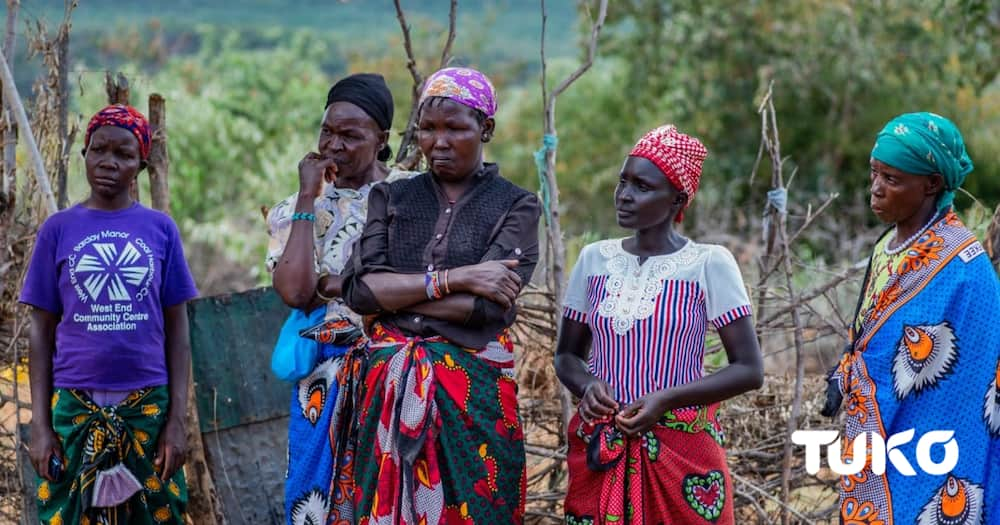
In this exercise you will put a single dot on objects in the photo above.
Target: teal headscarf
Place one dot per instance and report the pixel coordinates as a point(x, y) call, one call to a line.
point(924, 144)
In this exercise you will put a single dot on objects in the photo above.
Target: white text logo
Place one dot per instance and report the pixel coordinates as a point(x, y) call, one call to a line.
point(879, 449)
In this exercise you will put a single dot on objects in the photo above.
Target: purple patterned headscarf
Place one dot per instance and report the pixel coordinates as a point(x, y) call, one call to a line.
point(463, 85)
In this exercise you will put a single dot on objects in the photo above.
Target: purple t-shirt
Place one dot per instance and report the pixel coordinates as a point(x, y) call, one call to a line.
point(109, 275)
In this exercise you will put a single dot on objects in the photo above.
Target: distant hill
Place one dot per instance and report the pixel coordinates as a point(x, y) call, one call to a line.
point(500, 29)
point(316, 14)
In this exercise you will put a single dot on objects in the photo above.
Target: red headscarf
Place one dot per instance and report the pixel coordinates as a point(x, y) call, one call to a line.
point(125, 117)
point(678, 156)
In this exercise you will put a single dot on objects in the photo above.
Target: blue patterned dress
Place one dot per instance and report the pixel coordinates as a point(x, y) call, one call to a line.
point(319, 481)
point(926, 358)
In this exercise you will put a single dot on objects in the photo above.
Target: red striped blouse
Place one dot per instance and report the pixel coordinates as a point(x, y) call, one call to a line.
point(649, 321)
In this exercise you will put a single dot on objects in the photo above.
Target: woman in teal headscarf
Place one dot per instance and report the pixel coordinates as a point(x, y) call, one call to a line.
point(925, 351)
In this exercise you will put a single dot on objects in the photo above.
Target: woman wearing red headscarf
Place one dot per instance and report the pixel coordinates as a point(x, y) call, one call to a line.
point(108, 285)
point(645, 445)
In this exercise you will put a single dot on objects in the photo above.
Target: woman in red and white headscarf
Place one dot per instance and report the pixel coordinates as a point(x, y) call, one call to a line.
point(645, 445)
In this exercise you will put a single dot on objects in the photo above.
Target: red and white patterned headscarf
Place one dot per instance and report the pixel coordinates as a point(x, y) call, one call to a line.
point(125, 117)
point(678, 156)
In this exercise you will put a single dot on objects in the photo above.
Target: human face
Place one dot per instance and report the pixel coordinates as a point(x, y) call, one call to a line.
point(112, 161)
point(451, 138)
point(352, 138)
point(644, 197)
point(897, 196)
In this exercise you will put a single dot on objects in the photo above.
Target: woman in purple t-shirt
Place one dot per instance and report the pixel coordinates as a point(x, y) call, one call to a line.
point(108, 285)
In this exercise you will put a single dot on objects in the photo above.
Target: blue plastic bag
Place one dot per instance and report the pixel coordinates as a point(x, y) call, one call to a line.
point(294, 356)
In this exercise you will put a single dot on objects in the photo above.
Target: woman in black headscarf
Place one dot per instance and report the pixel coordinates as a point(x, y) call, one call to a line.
point(311, 234)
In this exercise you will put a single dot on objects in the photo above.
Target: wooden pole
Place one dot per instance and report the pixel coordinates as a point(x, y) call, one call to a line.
point(117, 88)
point(777, 238)
point(204, 505)
point(557, 247)
point(62, 111)
point(408, 156)
point(8, 203)
point(159, 162)
point(8, 198)
point(12, 97)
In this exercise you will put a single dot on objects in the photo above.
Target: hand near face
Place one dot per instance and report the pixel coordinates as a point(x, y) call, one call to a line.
point(314, 170)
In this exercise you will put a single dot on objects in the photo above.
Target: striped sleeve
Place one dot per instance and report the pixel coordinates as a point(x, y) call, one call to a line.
point(576, 304)
point(575, 315)
point(732, 315)
point(726, 298)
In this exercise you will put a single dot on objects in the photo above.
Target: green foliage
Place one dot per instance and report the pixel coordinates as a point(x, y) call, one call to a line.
point(841, 70)
point(245, 96)
point(238, 123)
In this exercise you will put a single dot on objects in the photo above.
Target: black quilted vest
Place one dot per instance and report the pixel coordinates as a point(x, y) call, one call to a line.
point(415, 210)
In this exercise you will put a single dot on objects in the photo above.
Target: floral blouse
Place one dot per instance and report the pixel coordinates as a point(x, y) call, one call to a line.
point(340, 217)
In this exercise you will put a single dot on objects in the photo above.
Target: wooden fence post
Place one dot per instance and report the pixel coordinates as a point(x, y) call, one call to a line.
point(204, 506)
point(118, 92)
point(159, 162)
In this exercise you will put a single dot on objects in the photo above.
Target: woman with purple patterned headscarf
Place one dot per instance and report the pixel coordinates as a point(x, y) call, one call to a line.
point(440, 440)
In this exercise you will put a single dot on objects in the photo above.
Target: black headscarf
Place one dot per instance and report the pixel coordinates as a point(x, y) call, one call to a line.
point(369, 92)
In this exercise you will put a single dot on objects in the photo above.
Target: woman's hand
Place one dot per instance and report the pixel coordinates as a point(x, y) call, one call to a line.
point(314, 169)
point(44, 444)
point(171, 450)
point(494, 280)
point(642, 414)
point(597, 401)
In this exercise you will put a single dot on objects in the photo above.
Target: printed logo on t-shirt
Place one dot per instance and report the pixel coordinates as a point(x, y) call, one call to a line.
point(112, 272)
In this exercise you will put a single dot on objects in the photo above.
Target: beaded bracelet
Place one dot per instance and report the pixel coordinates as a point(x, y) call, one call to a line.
point(432, 283)
point(304, 216)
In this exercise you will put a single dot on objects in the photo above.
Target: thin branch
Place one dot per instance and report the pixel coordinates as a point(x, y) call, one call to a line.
point(452, 18)
point(542, 451)
point(545, 96)
point(756, 162)
point(785, 507)
point(971, 196)
point(808, 296)
point(812, 216)
point(762, 515)
point(555, 243)
point(411, 61)
point(777, 230)
point(845, 324)
point(595, 31)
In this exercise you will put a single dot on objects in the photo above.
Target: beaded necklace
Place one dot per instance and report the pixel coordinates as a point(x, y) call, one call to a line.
point(905, 244)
